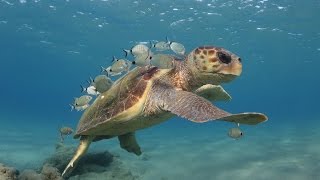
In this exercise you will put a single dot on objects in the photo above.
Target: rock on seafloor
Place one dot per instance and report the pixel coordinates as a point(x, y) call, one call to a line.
point(8, 173)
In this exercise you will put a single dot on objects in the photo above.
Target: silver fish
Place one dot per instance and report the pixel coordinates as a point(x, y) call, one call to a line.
point(137, 50)
point(177, 48)
point(102, 83)
point(65, 131)
point(81, 108)
point(81, 103)
point(143, 59)
point(235, 133)
point(162, 61)
point(91, 90)
point(118, 67)
point(161, 46)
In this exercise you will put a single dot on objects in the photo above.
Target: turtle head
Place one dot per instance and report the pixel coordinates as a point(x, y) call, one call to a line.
point(214, 65)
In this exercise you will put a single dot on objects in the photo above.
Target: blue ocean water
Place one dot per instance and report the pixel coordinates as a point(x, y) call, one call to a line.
point(49, 48)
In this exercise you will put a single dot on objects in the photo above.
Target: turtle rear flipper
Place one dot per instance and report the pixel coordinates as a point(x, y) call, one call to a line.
point(213, 93)
point(85, 142)
point(128, 142)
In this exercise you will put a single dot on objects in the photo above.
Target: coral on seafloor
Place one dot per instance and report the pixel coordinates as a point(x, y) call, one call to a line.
point(8, 173)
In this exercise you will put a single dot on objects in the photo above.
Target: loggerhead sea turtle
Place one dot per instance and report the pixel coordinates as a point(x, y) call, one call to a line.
point(147, 96)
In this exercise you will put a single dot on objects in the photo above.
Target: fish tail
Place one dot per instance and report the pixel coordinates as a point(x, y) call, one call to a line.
point(91, 80)
point(114, 58)
point(151, 45)
point(168, 41)
point(103, 69)
point(72, 107)
point(126, 52)
point(83, 89)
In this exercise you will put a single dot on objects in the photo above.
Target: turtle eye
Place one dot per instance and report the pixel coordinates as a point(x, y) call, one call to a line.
point(241, 133)
point(224, 58)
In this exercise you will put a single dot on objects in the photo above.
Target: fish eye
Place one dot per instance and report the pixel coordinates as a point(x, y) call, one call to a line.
point(224, 58)
point(241, 133)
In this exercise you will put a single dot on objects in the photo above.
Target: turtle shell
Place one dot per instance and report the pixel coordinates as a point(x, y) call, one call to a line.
point(110, 106)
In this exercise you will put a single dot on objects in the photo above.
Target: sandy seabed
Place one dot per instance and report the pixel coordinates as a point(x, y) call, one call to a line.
point(190, 152)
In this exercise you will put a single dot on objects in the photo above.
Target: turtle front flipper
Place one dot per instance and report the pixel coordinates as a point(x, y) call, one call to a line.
point(213, 93)
point(191, 106)
point(197, 109)
point(85, 142)
point(128, 142)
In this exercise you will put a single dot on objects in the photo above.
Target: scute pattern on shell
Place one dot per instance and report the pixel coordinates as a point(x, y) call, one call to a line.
point(125, 93)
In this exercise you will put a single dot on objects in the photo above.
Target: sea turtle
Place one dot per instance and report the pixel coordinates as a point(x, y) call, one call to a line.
point(147, 96)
